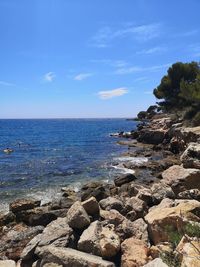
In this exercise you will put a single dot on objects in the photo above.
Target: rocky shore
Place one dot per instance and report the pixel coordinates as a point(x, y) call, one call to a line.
point(149, 217)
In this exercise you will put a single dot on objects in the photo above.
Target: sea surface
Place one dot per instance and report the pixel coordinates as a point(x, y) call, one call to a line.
point(51, 153)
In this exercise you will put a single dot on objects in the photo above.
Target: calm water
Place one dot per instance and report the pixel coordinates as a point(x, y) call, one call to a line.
point(49, 154)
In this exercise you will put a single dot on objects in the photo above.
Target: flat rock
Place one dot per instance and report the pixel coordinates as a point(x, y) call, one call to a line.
point(77, 217)
point(70, 257)
point(23, 204)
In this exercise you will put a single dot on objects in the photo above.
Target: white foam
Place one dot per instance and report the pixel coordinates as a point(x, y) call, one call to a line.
point(123, 169)
point(135, 160)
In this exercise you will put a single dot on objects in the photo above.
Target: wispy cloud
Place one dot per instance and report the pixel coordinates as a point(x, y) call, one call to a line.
point(112, 93)
point(6, 83)
point(141, 33)
point(49, 77)
point(187, 33)
point(135, 69)
point(153, 50)
point(82, 76)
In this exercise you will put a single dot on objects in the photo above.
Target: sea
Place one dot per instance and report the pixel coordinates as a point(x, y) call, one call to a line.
point(52, 153)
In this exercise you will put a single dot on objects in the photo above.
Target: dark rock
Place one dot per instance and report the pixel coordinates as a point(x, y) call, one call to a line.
point(111, 203)
point(24, 204)
point(6, 218)
point(91, 206)
point(124, 179)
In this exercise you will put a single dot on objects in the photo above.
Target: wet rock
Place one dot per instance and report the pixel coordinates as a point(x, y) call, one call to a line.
point(77, 217)
point(191, 156)
point(181, 179)
point(14, 240)
point(90, 238)
point(161, 191)
point(124, 179)
point(109, 242)
point(161, 221)
point(23, 204)
point(111, 203)
point(7, 263)
point(70, 257)
point(156, 263)
point(91, 206)
point(134, 253)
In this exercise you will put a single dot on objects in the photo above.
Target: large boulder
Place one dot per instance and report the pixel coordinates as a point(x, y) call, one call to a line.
point(190, 254)
point(152, 136)
point(69, 257)
point(181, 179)
point(23, 204)
point(191, 156)
point(91, 206)
point(135, 208)
point(6, 218)
point(111, 203)
point(134, 253)
point(160, 191)
point(7, 263)
point(95, 189)
point(77, 217)
point(156, 263)
point(112, 217)
point(124, 179)
point(164, 221)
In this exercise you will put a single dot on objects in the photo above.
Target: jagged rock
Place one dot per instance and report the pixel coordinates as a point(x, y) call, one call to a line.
point(77, 217)
point(156, 263)
point(151, 136)
point(190, 194)
point(62, 203)
point(23, 204)
point(69, 257)
point(111, 203)
point(6, 218)
point(136, 207)
point(109, 242)
point(161, 220)
point(181, 179)
point(14, 240)
point(90, 238)
point(191, 156)
point(145, 194)
point(161, 191)
point(190, 254)
point(124, 179)
point(112, 216)
point(28, 251)
point(134, 253)
point(56, 232)
point(91, 206)
point(7, 263)
point(95, 189)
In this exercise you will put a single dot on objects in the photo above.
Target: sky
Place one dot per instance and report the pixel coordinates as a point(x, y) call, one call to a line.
point(90, 58)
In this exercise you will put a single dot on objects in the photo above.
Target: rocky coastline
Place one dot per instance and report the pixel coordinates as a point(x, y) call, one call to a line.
point(149, 217)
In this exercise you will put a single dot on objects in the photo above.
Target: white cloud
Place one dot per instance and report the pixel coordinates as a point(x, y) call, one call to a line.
point(82, 76)
point(6, 83)
point(152, 50)
point(112, 93)
point(140, 33)
point(49, 77)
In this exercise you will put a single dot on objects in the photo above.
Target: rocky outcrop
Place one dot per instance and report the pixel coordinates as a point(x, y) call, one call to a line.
point(191, 156)
point(70, 257)
point(134, 253)
point(181, 179)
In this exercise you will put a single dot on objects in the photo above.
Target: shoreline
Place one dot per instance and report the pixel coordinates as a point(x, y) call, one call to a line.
point(131, 214)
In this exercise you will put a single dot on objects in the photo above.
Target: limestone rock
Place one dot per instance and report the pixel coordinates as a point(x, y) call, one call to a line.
point(161, 191)
point(112, 217)
point(23, 204)
point(134, 253)
point(156, 263)
point(28, 251)
point(77, 217)
point(160, 219)
point(190, 254)
point(109, 242)
point(91, 206)
point(89, 240)
point(191, 156)
point(181, 179)
point(135, 206)
point(69, 257)
point(111, 203)
point(7, 263)
point(190, 194)
point(124, 179)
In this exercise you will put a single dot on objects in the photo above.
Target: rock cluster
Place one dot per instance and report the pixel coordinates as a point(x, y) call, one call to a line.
point(125, 224)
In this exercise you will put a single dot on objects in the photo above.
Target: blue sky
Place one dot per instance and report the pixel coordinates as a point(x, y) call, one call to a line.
point(90, 58)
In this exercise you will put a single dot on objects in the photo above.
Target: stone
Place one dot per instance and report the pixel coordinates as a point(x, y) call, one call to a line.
point(7, 263)
point(156, 263)
point(112, 217)
point(190, 254)
point(181, 179)
point(91, 206)
point(191, 156)
point(124, 179)
point(15, 239)
point(28, 251)
point(70, 257)
point(23, 204)
point(77, 217)
point(134, 253)
point(136, 206)
point(111, 203)
point(109, 242)
point(190, 194)
point(145, 194)
point(6, 218)
point(55, 232)
point(89, 240)
point(152, 136)
point(161, 191)
point(95, 189)
point(162, 220)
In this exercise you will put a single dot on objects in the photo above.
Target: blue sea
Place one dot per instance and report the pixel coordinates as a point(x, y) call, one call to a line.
point(51, 153)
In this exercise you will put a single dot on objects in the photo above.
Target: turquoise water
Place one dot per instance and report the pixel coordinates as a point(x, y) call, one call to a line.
point(49, 154)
